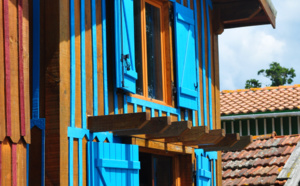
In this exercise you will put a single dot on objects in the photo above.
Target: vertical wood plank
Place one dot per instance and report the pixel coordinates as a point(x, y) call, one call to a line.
point(75, 163)
point(35, 157)
point(217, 82)
point(14, 164)
point(78, 106)
point(21, 163)
point(26, 52)
point(2, 78)
point(102, 56)
point(65, 91)
point(21, 67)
point(7, 66)
point(14, 71)
point(89, 60)
point(6, 162)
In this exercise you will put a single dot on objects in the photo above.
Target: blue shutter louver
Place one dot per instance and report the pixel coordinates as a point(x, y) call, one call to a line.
point(116, 164)
point(204, 168)
point(185, 53)
point(124, 41)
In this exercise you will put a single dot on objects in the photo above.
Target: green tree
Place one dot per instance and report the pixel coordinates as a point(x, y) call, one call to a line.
point(252, 83)
point(278, 75)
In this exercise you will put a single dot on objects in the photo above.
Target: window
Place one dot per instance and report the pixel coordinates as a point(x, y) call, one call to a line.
point(152, 33)
point(156, 54)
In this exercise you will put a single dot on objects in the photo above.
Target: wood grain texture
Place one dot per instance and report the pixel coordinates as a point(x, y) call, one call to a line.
point(88, 60)
point(75, 162)
point(211, 138)
point(6, 168)
point(78, 119)
point(147, 145)
point(118, 122)
point(26, 53)
point(217, 82)
point(14, 164)
point(64, 88)
point(21, 67)
point(21, 163)
point(191, 135)
point(52, 91)
point(7, 66)
point(14, 72)
point(35, 157)
point(175, 130)
point(155, 125)
point(2, 78)
point(228, 141)
point(99, 58)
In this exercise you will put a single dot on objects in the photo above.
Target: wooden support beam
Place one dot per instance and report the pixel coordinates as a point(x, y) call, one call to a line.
point(239, 145)
point(154, 126)
point(176, 129)
point(191, 135)
point(119, 122)
point(228, 141)
point(211, 138)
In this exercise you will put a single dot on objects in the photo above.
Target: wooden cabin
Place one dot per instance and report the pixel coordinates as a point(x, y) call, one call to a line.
point(115, 92)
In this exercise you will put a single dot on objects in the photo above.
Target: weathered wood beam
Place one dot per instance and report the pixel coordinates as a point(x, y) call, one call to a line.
point(161, 146)
point(155, 125)
point(191, 135)
point(176, 129)
point(228, 141)
point(239, 145)
point(211, 138)
point(118, 122)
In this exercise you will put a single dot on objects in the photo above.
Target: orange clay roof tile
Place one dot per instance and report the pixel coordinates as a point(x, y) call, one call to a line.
point(260, 163)
point(254, 100)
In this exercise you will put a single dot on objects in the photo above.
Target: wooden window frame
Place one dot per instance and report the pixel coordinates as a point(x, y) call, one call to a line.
point(166, 53)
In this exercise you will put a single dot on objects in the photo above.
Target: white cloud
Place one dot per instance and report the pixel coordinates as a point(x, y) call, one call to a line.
point(244, 51)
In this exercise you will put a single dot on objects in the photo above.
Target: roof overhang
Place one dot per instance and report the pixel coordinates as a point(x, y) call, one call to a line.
point(240, 13)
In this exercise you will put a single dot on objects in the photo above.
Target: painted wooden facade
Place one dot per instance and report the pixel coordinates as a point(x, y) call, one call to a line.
point(67, 61)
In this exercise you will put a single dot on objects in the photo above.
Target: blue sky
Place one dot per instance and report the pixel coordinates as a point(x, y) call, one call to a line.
point(244, 51)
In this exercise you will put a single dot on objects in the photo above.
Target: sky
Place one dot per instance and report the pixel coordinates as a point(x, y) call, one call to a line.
point(244, 51)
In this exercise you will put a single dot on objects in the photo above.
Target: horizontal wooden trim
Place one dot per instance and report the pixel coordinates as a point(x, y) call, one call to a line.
point(193, 134)
point(155, 125)
point(162, 146)
point(175, 130)
point(211, 138)
point(228, 141)
point(118, 122)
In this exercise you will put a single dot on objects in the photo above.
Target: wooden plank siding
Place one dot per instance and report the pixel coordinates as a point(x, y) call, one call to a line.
point(60, 48)
point(14, 91)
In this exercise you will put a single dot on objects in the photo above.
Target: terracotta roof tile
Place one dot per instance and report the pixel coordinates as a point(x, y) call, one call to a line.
point(260, 163)
point(254, 100)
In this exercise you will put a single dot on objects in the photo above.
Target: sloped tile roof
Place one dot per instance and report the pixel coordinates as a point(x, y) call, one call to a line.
point(260, 162)
point(255, 100)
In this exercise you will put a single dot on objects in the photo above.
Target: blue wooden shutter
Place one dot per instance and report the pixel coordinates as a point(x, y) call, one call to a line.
point(203, 169)
point(116, 164)
point(124, 41)
point(185, 51)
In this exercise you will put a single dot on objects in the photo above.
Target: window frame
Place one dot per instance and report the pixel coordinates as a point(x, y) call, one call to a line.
point(166, 53)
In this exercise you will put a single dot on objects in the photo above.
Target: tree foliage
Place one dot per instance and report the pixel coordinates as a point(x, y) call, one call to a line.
point(277, 74)
point(252, 83)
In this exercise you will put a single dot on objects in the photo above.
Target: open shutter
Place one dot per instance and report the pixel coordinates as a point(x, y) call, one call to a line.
point(124, 41)
point(185, 51)
point(116, 164)
point(203, 171)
